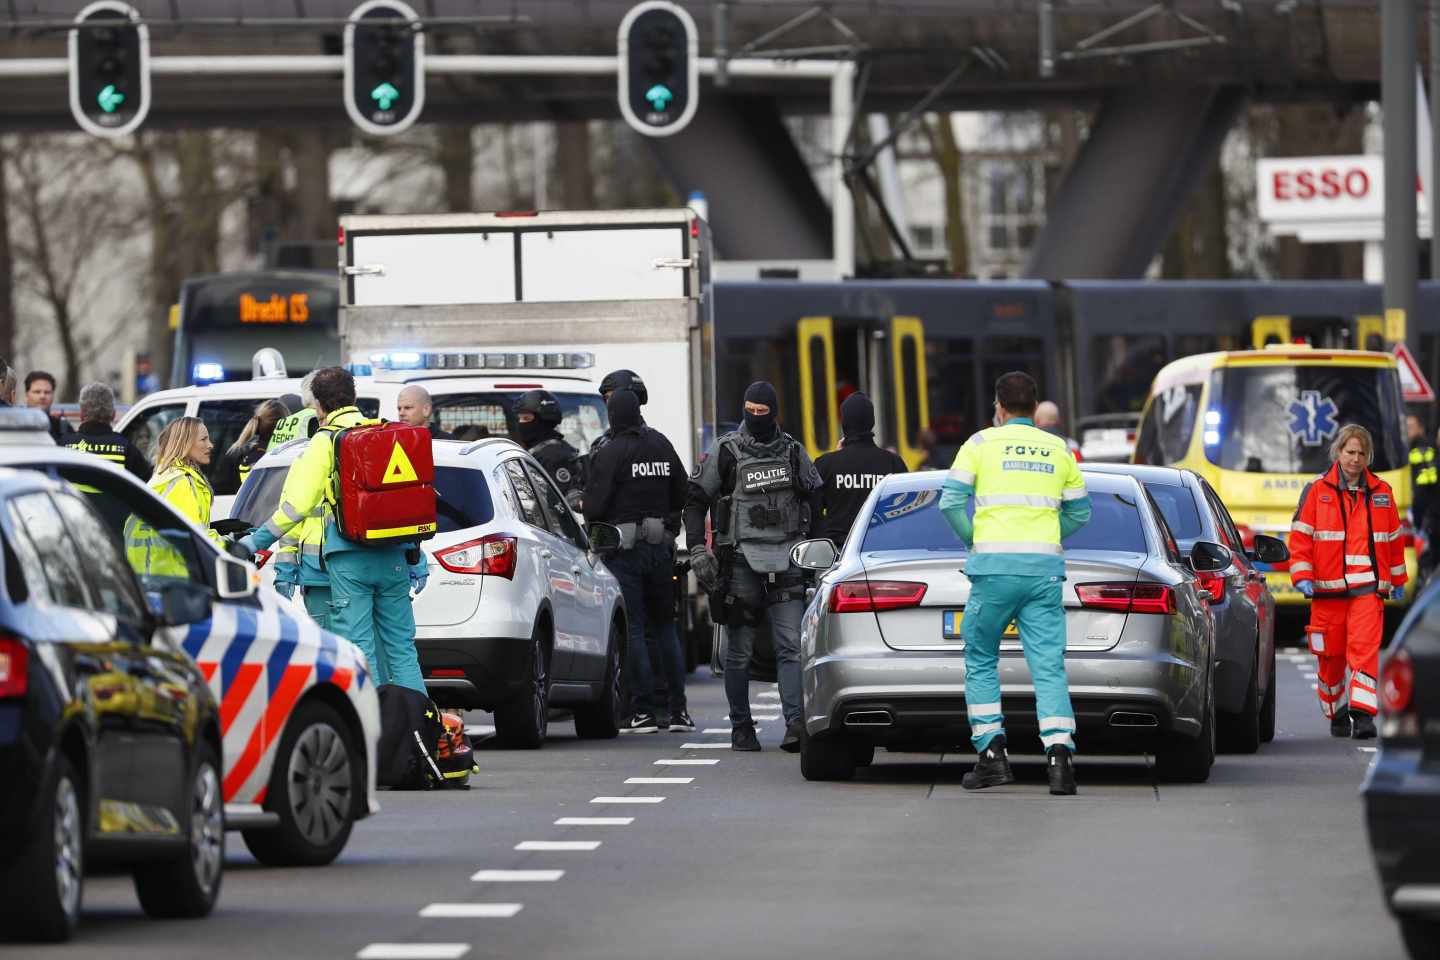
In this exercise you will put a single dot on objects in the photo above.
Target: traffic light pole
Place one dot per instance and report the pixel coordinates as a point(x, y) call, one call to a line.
point(1397, 92)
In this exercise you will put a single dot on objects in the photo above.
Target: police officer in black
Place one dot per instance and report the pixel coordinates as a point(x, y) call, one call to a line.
point(619, 380)
point(762, 494)
point(637, 482)
point(97, 436)
point(851, 472)
point(537, 418)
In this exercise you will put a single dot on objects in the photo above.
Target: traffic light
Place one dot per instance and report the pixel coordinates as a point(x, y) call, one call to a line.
point(384, 67)
point(109, 69)
point(659, 83)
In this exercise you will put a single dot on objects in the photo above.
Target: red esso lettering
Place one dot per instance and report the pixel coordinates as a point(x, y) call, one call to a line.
point(1305, 185)
point(1282, 185)
point(1330, 184)
point(1357, 182)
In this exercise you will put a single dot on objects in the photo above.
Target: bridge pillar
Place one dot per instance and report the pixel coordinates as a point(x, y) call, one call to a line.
point(763, 201)
point(1122, 195)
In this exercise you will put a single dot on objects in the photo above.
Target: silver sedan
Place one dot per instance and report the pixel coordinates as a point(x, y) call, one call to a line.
point(883, 657)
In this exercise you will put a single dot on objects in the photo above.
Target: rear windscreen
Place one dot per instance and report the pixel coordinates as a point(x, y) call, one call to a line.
point(912, 521)
point(1177, 506)
point(471, 416)
point(462, 497)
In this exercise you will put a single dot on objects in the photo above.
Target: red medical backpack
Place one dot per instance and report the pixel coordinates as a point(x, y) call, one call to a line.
point(384, 484)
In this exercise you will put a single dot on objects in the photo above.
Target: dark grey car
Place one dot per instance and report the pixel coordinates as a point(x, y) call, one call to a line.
point(1242, 605)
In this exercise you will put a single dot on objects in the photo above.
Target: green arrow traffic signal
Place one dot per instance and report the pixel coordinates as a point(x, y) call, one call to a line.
point(659, 96)
point(385, 95)
point(109, 98)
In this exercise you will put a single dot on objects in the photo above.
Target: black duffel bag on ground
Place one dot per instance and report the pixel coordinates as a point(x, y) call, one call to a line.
point(410, 729)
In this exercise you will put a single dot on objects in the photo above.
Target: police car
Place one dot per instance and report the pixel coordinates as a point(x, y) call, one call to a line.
point(299, 716)
point(473, 396)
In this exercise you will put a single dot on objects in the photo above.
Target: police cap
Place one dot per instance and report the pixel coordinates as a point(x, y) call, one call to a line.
point(624, 380)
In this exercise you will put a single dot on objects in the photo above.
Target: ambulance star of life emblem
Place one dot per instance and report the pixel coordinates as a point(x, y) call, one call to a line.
point(1312, 418)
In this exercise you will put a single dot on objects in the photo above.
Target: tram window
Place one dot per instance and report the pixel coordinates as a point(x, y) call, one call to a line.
point(950, 367)
point(748, 359)
point(1125, 366)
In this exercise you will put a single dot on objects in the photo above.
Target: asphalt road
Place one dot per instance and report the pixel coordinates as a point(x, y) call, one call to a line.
point(1268, 859)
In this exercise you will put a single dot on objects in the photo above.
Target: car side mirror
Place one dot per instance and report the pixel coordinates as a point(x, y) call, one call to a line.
point(1269, 550)
point(183, 602)
point(814, 555)
point(1207, 557)
point(234, 578)
point(604, 537)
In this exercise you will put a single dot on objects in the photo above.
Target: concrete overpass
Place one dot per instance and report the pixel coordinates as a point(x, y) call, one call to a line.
point(1168, 80)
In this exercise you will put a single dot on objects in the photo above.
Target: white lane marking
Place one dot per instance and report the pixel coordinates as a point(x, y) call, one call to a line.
point(1314, 686)
point(414, 951)
point(719, 730)
point(704, 746)
point(658, 780)
point(472, 911)
point(765, 716)
point(768, 695)
point(517, 876)
point(558, 846)
point(686, 763)
point(628, 800)
point(479, 730)
point(594, 821)
point(1367, 749)
point(1309, 675)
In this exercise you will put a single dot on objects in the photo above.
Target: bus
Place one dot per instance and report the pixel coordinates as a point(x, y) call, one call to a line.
point(223, 318)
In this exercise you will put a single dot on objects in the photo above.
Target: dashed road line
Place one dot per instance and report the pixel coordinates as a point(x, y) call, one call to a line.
point(659, 780)
point(686, 763)
point(594, 821)
point(768, 716)
point(716, 730)
point(768, 695)
point(704, 746)
point(1367, 749)
point(472, 911)
point(558, 846)
point(414, 951)
point(517, 876)
point(628, 800)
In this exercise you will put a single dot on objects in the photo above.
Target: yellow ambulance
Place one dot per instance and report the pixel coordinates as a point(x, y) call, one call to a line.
point(1258, 425)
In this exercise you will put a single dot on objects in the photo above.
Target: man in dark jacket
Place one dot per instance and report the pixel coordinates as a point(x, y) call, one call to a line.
point(537, 424)
point(414, 406)
point(1425, 484)
point(97, 434)
point(40, 393)
point(851, 472)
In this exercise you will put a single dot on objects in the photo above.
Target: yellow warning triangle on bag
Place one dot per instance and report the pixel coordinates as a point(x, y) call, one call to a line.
point(400, 469)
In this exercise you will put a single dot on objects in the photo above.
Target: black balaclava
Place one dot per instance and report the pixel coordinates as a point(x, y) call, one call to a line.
point(624, 409)
point(857, 417)
point(762, 428)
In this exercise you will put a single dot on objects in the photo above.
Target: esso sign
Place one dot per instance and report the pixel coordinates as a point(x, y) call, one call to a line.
point(1321, 188)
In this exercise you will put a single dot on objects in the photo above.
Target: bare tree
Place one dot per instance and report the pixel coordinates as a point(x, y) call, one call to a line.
point(7, 267)
point(945, 150)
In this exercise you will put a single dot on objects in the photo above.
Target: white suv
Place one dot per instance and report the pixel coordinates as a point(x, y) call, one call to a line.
point(519, 615)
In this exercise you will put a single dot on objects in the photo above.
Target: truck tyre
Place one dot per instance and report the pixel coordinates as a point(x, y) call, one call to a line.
point(522, 723)
point(601, 720)
point(44, 884)
point(314, 787)
point(189, 885)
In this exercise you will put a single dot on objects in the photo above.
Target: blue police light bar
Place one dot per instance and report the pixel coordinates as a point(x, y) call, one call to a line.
point(1211, 437)
point(207, 372)
point(467, 360)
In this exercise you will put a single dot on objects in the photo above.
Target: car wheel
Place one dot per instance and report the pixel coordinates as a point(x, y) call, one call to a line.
point(1267, 707)
point(601, 720)
point(1183, 759)
point(864, 753)
point(44, 884)
point(522, 723)
point(313, 789)
point(189, 885)
point(1421, 936)
point(826, 758)
point(1240, 733)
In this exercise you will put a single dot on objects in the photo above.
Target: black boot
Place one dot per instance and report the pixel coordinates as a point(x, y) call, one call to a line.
point(743, 738)
point(1340, 725)
point(1363, 725)
point(992, 768)
point(1062, 774)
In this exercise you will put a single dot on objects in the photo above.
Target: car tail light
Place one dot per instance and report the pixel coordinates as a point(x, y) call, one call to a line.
point(1397, 688)
point(14, 667)
point(261, 556)
point(1213, 584)
point(448, 674)
point(495, 555)
point(1127, 597)
point(875, 596)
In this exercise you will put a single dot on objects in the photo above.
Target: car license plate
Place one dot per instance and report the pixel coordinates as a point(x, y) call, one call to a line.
point(953, 619)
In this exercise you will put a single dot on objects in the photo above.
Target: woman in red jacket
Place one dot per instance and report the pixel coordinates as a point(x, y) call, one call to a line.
point(1346, 553)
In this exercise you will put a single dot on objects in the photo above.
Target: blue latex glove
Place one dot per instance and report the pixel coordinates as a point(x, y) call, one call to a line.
point(1398, 594)
point(417, 583)
point(1306, 587)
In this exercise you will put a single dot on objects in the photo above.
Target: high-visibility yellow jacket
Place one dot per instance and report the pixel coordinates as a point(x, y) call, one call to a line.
point(186, 490)
point(307, 499)
point(1029, 495)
